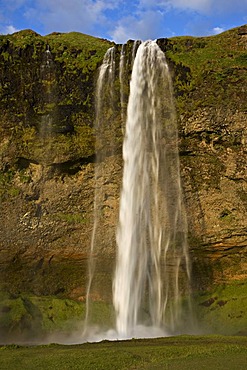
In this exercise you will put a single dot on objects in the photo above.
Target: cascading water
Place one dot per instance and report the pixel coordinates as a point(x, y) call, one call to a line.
point(152, 232)
point(152, 265)
point(104, 111)
point(121, 80)
point(47, 73)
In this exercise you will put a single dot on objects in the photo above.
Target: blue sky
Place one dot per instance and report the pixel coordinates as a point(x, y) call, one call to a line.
point(122, 20)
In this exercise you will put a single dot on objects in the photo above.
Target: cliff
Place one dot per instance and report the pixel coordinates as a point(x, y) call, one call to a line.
point(209, 81)
point(47, 149)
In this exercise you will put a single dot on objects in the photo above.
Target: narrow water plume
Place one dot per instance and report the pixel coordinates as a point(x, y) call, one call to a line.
point(127, 57)
point(104, 107)
point(46, 121)
point(107, 101)
point(152, 268)
point(122, 71)
point(105, 81)
point(136, 45)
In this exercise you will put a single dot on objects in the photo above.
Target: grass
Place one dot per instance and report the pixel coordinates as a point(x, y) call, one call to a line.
point(173, 353)
point(87, 51)
point(209, 70)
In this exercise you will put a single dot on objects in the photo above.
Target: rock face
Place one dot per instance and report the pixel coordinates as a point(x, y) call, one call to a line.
point(209, 84)
point(47, 150)
point(214, 173)
point(47, 153)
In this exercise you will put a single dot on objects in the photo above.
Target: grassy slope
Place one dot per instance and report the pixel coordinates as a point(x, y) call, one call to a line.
point(213, 71)
point(74, 49)
point(176, 353)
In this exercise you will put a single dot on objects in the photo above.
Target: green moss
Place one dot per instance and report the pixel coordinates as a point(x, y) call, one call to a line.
point(24, 177)
point(27, 315)
point(63, 90)
point(12, 313)
point(222, 310)
point(75, 49)
point(56, 314)
point(47, 145)
point(13, 191)
point(6, 186)
point(71, 218)
point(216, 64)
point(24, 38)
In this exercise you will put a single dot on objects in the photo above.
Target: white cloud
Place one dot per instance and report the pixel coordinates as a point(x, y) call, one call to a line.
point(121, 20)
point(166, 5)
point(61, 15)
point(217, 30)
point(146, 25)
point(149, 17)
point(199, 6)
point(64, 15)
point(121, 33)
point(10, 29)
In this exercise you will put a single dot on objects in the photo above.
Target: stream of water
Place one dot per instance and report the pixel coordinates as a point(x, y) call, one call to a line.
point(152, 231)
point(152, 262)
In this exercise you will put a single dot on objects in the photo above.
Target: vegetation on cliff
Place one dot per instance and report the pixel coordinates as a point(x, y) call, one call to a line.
point(47, 95)
point(47, 88)
point(209, 71)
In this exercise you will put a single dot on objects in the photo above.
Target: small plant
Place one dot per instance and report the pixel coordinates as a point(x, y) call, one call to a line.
point(74, 218)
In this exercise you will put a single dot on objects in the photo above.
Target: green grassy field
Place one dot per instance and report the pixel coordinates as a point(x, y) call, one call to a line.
point(178, 353)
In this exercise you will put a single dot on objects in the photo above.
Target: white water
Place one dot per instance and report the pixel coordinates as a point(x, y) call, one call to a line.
point(152, 265)
point(104, 100)
point(152, 230)
point(122, 66)
point(105, 81)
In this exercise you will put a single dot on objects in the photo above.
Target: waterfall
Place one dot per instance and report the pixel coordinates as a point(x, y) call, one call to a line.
point(47, 75)
point(152, 266)
point(104, 108)
point(122, 81)
point(152, 270)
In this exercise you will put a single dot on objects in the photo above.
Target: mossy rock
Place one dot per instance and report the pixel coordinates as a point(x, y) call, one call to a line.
point(222, 309)
point(47, 94)
point(201, 64)
point(34, 318)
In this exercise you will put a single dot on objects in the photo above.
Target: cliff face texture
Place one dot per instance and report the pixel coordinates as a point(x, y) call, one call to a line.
point(47, 150)
point(47, 155)
point(211, 99)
